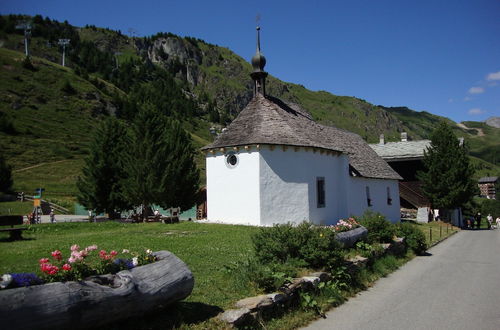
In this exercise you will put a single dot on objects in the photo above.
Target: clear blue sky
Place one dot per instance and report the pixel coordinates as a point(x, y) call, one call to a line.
point(439, 56)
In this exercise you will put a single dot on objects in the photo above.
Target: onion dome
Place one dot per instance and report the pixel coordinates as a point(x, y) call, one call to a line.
point(258, 60)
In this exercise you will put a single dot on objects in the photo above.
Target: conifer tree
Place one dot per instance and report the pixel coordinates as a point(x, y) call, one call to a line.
point(5, 175)
point(160, 165)
point(447, 178)
point(101, 184)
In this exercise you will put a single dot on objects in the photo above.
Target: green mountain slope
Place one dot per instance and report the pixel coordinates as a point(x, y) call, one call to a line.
point(47, 114)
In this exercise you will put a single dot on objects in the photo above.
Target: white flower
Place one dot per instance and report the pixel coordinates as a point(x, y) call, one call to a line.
point(125, 251)
point(135, 261)
point(6, 279)
point(148, 251)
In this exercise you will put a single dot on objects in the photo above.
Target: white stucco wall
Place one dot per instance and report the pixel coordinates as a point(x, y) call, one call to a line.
point(288, 186)
point(378, 194)
point(233, 193)
point(278, 185)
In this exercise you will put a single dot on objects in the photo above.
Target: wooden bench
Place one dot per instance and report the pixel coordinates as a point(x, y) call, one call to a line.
point(12, 220)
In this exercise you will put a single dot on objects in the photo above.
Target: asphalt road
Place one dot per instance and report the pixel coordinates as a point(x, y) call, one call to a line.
point(456, 287)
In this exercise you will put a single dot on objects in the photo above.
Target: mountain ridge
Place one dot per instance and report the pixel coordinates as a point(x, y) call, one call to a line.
point(213, 78)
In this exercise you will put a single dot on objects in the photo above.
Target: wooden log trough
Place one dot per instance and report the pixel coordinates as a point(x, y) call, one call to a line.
point(99, 299)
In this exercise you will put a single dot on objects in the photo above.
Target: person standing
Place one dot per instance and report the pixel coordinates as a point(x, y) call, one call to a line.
point(478, 220)
point(490, 220)
point(52, 216)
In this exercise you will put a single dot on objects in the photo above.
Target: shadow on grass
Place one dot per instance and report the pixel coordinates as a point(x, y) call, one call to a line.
point(168, 317)
point(9, 240)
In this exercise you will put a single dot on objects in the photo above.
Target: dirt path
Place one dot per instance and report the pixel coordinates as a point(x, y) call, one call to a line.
point(38, 165)
point(479, 130)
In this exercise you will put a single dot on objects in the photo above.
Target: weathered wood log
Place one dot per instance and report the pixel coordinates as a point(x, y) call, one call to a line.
point(99, 300)
point(349, 238)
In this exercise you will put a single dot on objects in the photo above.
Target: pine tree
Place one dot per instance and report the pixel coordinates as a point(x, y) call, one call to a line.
point(447, 178)
point(5, 175)
point(160, 165)
point(101, 184)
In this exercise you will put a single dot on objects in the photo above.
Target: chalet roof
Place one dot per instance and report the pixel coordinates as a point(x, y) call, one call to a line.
point(268, 120)
point(405, 150)
point(488, 179)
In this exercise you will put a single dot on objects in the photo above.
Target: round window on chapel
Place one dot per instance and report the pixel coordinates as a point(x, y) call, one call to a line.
point(231, 159)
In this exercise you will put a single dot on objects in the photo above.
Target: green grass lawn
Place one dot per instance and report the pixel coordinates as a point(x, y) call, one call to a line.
point(205, 248)
point(15, 208)
point(436, 231)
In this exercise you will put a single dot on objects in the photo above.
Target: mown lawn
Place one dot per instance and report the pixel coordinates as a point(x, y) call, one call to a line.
point(436, 231)
point(206, 249)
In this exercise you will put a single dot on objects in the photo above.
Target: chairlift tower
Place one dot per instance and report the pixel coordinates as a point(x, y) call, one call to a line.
point(26, 26)
point(117, 54)
point(63, 43)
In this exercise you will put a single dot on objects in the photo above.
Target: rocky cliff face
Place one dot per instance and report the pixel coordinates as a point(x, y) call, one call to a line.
point(493, 122)
point(224, 76)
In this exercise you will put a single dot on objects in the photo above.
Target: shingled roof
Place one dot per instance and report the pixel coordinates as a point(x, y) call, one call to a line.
point(268, 120)
point(406, 150)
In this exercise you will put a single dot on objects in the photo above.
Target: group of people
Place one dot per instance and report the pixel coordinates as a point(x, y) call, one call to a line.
point(476, 220)
point(35, 217)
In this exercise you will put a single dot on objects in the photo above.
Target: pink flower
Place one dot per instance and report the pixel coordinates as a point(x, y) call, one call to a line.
point(57, 255)
point(113, 253)
point(75, 247)
point(91, 248)
point(71, 259)
point(43, 261)
point(66, 267)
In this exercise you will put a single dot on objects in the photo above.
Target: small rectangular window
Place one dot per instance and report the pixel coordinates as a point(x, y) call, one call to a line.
point(368, 199)
point(389, 199)
point(320, 191)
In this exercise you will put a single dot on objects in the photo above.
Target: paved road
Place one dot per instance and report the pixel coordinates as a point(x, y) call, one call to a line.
point(457, 287)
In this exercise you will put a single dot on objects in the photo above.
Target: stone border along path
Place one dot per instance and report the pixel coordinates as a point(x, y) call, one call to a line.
point(252, 309)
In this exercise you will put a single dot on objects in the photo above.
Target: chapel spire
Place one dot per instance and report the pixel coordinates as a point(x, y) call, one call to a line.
point(258, 74)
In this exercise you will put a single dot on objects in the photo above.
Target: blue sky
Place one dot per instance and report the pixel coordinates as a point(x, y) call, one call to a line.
point(439, 56)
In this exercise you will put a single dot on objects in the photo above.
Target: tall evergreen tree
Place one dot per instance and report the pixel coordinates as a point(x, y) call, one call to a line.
point(101, 184)
point(160, 165)
point(5, 175)
point(447, 178)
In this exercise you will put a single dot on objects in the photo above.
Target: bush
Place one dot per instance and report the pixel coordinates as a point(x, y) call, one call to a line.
point(490, 206)
point(305, 245)
point(414, 237)
point(68, 88)
point(27, 64)
point(380, 230)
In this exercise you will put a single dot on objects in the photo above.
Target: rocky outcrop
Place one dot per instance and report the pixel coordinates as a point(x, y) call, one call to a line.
point(493, 122)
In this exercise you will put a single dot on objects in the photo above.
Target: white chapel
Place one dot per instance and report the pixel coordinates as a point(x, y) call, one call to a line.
point(275, 164)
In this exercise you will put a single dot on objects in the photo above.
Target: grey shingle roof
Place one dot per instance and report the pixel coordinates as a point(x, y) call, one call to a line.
point(268, 120)
point(401, 150)
point(488, 179)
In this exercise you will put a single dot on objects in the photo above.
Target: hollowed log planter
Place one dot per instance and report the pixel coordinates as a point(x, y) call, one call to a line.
point(98, 300)
point(349, 238)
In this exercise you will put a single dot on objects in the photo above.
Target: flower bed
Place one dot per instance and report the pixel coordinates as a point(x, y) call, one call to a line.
point(99, 299)
point(348, 232)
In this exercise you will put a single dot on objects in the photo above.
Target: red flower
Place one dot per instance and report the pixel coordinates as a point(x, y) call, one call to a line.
point(66, 267)
point(43, 261)
point(113, 253)
point(57, 255)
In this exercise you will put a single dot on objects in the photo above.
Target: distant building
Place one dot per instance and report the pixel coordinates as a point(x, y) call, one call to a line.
point(275, 164)
point(405, 157)
point(487, 187)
